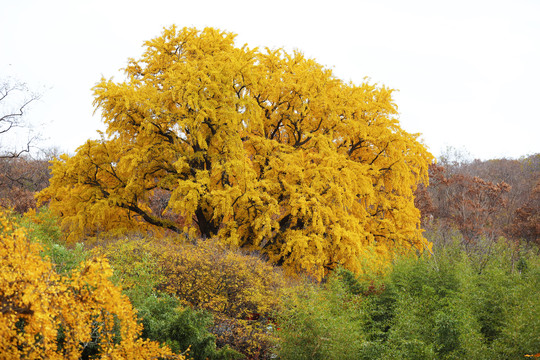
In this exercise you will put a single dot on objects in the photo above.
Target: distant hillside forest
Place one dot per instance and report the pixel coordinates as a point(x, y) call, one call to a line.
point(493, 198)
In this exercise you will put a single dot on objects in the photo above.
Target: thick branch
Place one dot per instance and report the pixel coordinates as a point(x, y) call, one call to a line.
point(152, 220)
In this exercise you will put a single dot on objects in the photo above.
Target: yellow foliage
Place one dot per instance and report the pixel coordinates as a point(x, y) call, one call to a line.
point(208, 275)
point(237, 288)
point(47, 316)
point(240, 290)
point(265, 149)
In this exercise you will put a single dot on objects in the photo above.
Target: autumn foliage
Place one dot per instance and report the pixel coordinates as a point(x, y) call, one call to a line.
point(526, 224)
point(483, 199)
point(265, 149)
point(44, 315)
point(241, 291)
point(20, 178)
point(467, 202)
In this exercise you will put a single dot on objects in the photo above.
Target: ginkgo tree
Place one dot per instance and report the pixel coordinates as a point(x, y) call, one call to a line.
point(265, 149)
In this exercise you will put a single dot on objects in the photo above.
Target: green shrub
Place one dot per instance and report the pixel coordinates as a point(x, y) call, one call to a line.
point(181, 328)
point(459, 304)
point(503, 294)
point(321, 323)
point(520, 333)
point(42, 225)
point(64, 258)
point(135, 265)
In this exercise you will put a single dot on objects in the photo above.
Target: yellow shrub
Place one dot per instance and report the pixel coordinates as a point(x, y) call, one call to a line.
point(135, 263)
point(240, 290)
point(210, 276)
point(44, 315)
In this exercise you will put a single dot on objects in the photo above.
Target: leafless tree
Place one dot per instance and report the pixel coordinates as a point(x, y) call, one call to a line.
point(14, 101)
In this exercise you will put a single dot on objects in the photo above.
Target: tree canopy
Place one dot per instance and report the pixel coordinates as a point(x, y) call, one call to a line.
point(263, 148)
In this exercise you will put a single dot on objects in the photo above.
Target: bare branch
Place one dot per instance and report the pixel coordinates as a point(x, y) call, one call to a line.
point(18, 96)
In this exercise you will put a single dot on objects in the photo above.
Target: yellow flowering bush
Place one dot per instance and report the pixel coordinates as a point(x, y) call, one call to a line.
point(239, 289)
point(45, 315)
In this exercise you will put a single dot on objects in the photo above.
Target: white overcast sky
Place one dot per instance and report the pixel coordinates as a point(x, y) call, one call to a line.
point(467, 71)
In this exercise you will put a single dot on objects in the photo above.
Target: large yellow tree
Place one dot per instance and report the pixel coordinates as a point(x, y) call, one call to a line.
point(263, 148)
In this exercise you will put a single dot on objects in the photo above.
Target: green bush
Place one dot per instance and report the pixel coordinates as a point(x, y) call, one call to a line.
point(65, 258)
point(430, 319)
point(181, 328)
point(135, 266)
point(456, 304)
point(43, 227)
point(503, 293)
point(321, 323)
point(453, 306)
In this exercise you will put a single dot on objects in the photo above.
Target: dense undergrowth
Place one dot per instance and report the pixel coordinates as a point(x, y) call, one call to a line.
point(448, 306)
point(200, 297)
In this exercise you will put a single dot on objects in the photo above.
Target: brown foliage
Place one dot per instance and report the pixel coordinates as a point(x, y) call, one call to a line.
point(526, 222)
point(484, 198)
point(462, 201)
point(20, 179)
